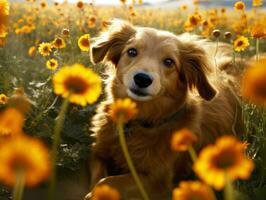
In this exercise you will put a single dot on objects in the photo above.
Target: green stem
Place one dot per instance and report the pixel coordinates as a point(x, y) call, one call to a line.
point(228, 190)
point(234, 53)
point(19, 187)
point(129, 161)
point(56, 143)
point(192, 154)
point(257, 49)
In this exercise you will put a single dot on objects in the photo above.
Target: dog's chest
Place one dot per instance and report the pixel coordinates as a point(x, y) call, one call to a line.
point(148, 147)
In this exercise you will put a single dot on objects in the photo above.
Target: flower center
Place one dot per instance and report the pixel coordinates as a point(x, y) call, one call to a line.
point(76, 85)
point(260, 90)
point(85, 42)
point(195, 197)
point(45, 49)
point(240, 43)
point(225, 160)
point(58, 42)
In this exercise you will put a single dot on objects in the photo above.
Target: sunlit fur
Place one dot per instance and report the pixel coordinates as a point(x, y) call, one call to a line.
point(194, 82)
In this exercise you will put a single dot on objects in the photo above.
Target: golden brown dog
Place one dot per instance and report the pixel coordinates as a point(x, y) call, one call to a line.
point(176, 83)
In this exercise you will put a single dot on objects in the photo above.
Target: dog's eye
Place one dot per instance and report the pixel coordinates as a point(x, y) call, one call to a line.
point(168, 62)
point(132, 52)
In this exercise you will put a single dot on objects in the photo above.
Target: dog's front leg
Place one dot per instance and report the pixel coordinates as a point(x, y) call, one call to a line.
point(98, 171)
point(128, 190)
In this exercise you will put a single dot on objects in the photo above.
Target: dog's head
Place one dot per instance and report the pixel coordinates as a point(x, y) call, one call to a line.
point(150, 63)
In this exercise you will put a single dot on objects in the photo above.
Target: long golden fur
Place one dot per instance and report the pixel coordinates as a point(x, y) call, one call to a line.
point(194, 87)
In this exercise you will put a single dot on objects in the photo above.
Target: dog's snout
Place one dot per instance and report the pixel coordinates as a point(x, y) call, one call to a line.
point(142, 80)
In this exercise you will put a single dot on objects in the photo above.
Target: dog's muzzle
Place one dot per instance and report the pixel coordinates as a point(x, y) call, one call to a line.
point(142, 80)
point(139, 88)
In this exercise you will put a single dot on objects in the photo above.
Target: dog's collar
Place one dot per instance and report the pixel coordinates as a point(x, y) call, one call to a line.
point(145, 124)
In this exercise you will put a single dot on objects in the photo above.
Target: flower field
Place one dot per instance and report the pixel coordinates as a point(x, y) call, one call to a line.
point(49, 90)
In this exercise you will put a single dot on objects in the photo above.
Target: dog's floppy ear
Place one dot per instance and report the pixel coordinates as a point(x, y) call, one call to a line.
point(110, 43)
point(194, 69)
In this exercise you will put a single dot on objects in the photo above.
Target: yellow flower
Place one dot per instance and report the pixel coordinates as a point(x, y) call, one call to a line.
point(20, 101)
point(253, 86)
point(241, 43)
point(2, 42)
point(225, 158)
point(105, 192)
point(256, 3)
point(4, 12)
point(194, 19)
point(52, 64)
point(45, 48)
point(26, 154)
point(3, 99)
point(258, 31)
point(79, 83)
point(80, 4)
point(182, 140)
point(124, 109)
point(59, 43)
point(92, 21)
point(32, 51)
point(189, 190)
point(11, 122)
point(183, 7)
point(84, 43)
point(43, 4)
point(240, 5)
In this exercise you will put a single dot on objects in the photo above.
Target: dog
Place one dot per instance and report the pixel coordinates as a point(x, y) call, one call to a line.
point(176, 83)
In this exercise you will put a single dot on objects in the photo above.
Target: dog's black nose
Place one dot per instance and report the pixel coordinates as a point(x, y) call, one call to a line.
point(142, 80)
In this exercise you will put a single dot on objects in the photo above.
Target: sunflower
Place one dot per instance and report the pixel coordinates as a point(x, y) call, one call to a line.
point(182, 140)
point(183, 7)
point(241, 43)
point(84, 43)
point(124, 108)
point(26, 154)
point(32, 51)
point(2, 42)
point(43, 4)
point(123, 1)
point(79, 83)
point(80, 4)
point(256, 3)
point(253, 85)
point(52, 64)
point(240, 5)
point(105, 192)
point(45, 48)
point(59, 43)
point(225, 158)
point(3, 99)
point(92, 21)
point(11, 122)
point(189, 190)
point(4, 12)
point(258, 31)
point(194, 19)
